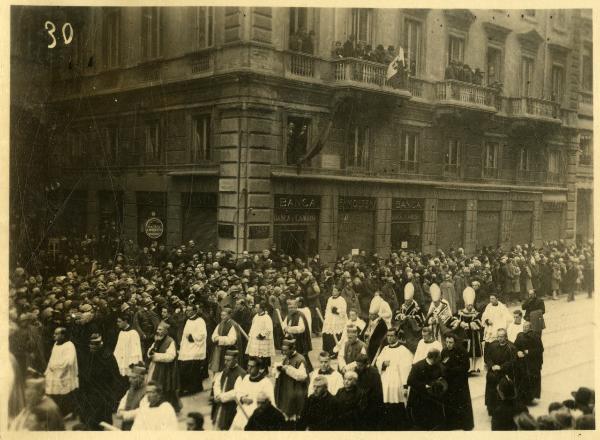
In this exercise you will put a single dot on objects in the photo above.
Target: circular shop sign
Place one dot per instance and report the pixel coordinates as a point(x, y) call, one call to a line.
point(154, 228)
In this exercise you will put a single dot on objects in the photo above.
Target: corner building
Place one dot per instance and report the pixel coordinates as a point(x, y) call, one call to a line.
point(198, 116)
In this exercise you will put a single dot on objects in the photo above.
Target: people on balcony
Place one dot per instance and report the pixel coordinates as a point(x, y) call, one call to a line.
point(302, 41)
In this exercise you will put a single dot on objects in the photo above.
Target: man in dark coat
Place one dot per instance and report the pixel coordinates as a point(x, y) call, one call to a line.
point(348, 400)
point(145, 322)
point(426, 395)
point(530, 357)
point(499, 357)
point(371, 391)
point(459, 410)
point(507, 408)
point(534, 308)
point(319, 409)
point(100, 385)
point(265, 417)
point(224, 405)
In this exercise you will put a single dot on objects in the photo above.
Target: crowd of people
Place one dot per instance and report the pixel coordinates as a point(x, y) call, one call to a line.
point(116, 342)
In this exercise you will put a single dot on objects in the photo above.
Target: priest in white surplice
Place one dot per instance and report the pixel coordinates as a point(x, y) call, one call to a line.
point(496, 316)
point(128, 350)
point(260, 337)
point(192, 352)
point(62, 372)
point(159, 415)
point(335, 321)
point(394, 364)
point(247, 390)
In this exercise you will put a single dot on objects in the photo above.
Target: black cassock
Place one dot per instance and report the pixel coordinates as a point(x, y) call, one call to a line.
point(319, 413)
point(426, 409)
point(348, 414)
point(268, 418)
point(504, 356)
point(459, 411)
point(371, 390)
point(100, 388)
point(529, 381)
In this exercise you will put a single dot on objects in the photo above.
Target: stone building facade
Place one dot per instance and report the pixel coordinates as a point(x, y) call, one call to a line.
point(198, 116)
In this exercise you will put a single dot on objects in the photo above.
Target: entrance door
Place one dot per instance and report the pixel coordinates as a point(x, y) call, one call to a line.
point(293, 242)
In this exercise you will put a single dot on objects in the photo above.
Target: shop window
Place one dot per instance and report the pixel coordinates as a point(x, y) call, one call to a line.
point(112, 34)
point(413, 42)
point(358, 150)
point(150, 33)
point(490, 161)
point(527, 68)
point(204, 26)
point(362, 25)
point(298, 129)
point(452, 158)
point(152, 147)
point(201, 145)
point(456, 49)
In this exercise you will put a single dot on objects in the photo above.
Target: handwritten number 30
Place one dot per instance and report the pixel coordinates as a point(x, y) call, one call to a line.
point(67, 33)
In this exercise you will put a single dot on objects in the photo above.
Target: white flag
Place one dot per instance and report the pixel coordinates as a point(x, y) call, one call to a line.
point(394, 66)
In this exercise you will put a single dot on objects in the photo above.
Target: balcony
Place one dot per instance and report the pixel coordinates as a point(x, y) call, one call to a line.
point(460, 94)
point(355, 73)
point(301, 65)
point(534, 108)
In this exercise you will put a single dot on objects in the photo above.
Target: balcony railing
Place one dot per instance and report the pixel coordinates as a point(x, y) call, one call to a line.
point(416, 87)
point(452, 90)
point(301, 64)
point(351, 69)
point(534, 107)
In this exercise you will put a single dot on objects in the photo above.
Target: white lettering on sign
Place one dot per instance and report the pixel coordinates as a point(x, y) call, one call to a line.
point(154, 228)
point(67, 38)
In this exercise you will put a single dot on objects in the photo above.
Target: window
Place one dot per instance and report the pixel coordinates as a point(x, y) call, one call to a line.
point(412, 41)
point(494, 65)
point(452, 158)
point(362, 25)
point(201, 139)
point(298, 20)
point(150, 33)
point(408, 152)
point(527, 65)
point(111, 144)
point(587, 69)
point(204, 26)
point(152, 150)
point(558, 78)
point(585, 149)
point(112, 34)
point(524, 159)
point(297, 138)
point(456, 48)
point(358, 150)
point(554, 167)
point(490, 161)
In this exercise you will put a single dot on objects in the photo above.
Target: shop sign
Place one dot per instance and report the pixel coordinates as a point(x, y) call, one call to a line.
point(259, 231)
point(297, 202)
point(357, 204)
point(292, 217)
point(408, 204)
point(154, 228)
point(406, 216)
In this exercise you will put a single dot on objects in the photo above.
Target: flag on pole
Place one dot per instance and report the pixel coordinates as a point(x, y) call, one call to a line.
point(394, 66)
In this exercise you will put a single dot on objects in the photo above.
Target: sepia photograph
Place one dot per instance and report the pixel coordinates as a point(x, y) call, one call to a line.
point(257, 218)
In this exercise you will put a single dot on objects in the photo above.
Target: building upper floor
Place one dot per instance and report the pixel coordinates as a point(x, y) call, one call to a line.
point(470, 56)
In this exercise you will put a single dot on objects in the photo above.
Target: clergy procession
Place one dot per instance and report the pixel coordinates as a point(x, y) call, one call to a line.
point(120, 343)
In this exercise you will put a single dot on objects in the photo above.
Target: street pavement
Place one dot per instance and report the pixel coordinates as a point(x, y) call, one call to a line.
point(568, 362)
